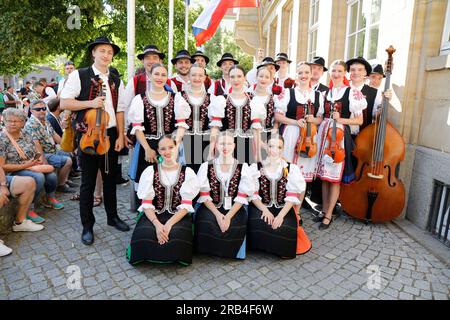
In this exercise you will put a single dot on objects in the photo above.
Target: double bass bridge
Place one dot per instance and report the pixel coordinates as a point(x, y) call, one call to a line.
point(375, 176)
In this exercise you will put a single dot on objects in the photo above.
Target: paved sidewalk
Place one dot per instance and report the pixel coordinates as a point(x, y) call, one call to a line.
point(348, 261)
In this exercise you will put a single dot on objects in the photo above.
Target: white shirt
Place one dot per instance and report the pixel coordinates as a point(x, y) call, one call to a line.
point(50, 94)
point(184, 85)
point(72, 90)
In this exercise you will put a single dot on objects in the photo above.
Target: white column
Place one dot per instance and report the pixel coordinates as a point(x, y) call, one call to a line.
point(279, 27)
point(170, 36)
point(186, 27)
point(294, 42)
point(130, 37)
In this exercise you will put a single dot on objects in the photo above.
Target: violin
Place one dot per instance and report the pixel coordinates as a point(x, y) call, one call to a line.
point(95, 140)
point(307, 147)
point(335, 136)
point(377, 194)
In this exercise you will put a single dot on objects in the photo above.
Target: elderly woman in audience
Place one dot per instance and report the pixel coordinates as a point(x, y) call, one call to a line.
point(23, 189)
point(18, 157)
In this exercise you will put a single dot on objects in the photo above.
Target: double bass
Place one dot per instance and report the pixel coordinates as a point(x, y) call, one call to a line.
point(95, 140)
point(377, 194)
point(307, 145)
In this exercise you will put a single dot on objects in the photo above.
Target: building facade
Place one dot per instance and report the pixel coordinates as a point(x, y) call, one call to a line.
point(342, 29)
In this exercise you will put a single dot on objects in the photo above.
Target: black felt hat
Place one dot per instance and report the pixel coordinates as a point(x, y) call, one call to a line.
point(378, 68)
point(182, 54)
point(360, 60)
point(151, 49)
point(319, 61)
point(268, 61)
point(226, 57)
point(198, 53)
point(282, 56)
point(103, 40)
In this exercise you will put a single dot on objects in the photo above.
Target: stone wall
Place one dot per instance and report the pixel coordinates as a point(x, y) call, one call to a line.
point(429, 165)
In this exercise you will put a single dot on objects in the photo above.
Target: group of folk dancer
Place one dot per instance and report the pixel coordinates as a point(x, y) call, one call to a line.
point(216, 164)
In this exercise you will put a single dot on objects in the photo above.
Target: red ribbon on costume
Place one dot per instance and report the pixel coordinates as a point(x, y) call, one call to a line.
point(292, 194)
point(241, 194)
point(189, 202)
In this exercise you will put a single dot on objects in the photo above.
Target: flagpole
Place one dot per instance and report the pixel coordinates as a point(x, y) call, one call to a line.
point(171, 5)
point(186, 21)
point(130, 37)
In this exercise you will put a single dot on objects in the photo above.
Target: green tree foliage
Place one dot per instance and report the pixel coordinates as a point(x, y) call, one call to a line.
point(33, 32)
point(223, 41)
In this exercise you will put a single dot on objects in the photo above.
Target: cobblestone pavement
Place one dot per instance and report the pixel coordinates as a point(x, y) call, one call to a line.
point(342, 264)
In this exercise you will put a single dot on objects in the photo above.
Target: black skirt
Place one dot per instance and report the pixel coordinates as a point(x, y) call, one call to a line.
point(144, 244)
point(260, 236)
point(209, 239)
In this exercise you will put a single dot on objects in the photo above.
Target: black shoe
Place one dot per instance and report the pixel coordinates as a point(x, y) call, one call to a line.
point(121, 181)
point(324, 226)
point(71, 184)
point(306, 205)
point(118, 224)
point(65, 189)
point(87, 237)
point(319, 217)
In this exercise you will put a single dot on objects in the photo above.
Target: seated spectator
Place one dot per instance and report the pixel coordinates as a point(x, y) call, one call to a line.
point(13, 142)
point(59, 121)
point(46, 140)
point(23, 189)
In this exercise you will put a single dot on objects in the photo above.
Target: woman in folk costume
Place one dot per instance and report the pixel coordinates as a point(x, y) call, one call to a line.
point(152, 115)
point(163, 232)
point(293, 115)
point(221, 220)
point(273, 224)
point(343, 106)
point(241, 116)
point(203, 108)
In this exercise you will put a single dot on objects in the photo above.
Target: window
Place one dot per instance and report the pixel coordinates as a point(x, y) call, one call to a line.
point(438, 220)
point(362, 28)
point(290, 25)
point(313, 27)
point(445, 48)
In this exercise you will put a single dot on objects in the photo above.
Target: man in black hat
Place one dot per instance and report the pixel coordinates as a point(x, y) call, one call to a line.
point(282, 78)
point(202, 60)
point(318, 68)
point(376, 76)
point(270, 65)
point(80, 94)
point(223, 86)
point(359, 69)
point(141, 82)
point(182, 62)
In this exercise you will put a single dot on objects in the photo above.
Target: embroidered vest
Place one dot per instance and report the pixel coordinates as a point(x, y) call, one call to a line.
point(158, 120)
point(140, 84)
point(217, 193)
point(272, 193)
point(342, 106)
point(370, 95)
point(167, 199)
point(198, 120)
point(296, 110)
point(90, 87)
point(237, 118)
point(178, 84)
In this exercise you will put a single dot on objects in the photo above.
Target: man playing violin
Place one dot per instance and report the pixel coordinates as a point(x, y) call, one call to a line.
point(82, 92)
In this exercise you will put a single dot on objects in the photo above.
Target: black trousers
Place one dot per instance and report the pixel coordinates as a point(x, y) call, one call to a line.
point(90, 164)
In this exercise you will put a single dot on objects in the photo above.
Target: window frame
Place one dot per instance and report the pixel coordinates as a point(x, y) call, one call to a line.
point(313, 28)
point(445, 43)
point(367, 28)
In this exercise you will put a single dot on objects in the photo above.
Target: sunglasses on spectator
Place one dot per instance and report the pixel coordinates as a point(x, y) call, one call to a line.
point(40, 109)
